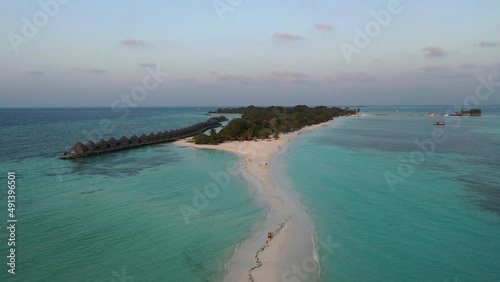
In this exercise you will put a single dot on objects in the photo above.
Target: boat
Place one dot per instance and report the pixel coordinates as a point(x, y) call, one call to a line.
point(440, 123)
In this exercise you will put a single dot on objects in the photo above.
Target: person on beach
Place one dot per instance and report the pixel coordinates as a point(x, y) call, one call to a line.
point(269, 236)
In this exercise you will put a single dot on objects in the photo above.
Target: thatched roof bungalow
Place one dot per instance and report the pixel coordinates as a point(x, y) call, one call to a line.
point(113, 143)
point(160, 136)
point(152, 137)
point(143, 139)
point(167, 135)
point(135, 140)
point(101, 145)
point(124, 142)
point(170, 135)
point(79, 149)
point(90, 146)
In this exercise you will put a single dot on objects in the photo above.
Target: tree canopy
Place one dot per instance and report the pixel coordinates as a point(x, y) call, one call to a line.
point(266, 122)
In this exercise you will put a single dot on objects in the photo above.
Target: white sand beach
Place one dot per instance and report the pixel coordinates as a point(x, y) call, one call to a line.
point(290, 252)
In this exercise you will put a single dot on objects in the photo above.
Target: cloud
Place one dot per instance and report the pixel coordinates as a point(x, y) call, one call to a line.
point(225, 77)
point(405, 74)
point(286, 36)
point(455, 75)
point(442, 71)
point(468, 66)
point(486, 44)
point(144, 65)
point(481, 68)
point(286, 76)
point(360, 76)
point(186, 80)
point(434, 52)
point(34, 72)
point(270, 77)
point(491, 68)
point(433, 69)
point(132, 42)
point(325, 27)
point(98, 71)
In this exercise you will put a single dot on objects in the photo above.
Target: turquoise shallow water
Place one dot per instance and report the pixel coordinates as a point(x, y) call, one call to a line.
point(118, 217)
point(440, 223)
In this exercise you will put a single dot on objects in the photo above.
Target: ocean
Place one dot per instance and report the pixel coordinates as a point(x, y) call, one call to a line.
point(438, 219)
point(394, 210)
point(135, 215)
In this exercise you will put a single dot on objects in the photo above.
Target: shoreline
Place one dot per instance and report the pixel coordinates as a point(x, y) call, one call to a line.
point(293, 243)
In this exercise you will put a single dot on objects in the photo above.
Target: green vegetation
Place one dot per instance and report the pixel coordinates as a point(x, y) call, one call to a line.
point(475, 112)
point(263, 123)
point(212, 139)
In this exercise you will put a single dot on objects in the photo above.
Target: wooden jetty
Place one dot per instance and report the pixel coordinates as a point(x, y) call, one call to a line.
point(80, 150)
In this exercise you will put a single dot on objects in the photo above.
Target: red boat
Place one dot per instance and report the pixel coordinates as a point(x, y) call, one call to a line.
point(440, 123)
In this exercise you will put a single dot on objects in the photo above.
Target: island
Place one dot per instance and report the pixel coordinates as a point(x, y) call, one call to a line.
point(266, 122)
point(258, 135)
point(471, 112)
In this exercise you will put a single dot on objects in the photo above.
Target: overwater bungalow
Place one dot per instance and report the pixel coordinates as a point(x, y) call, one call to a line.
point(152, 137)
point(101, 145)
point(124, 142)
point(113, 143)
point(90, 148)
point(90, 145)
point(78, 149)
point(160, 136)
point(135, 140)
point(143, 139)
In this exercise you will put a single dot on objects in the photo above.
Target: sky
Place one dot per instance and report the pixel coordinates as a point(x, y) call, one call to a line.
point(72, 53)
